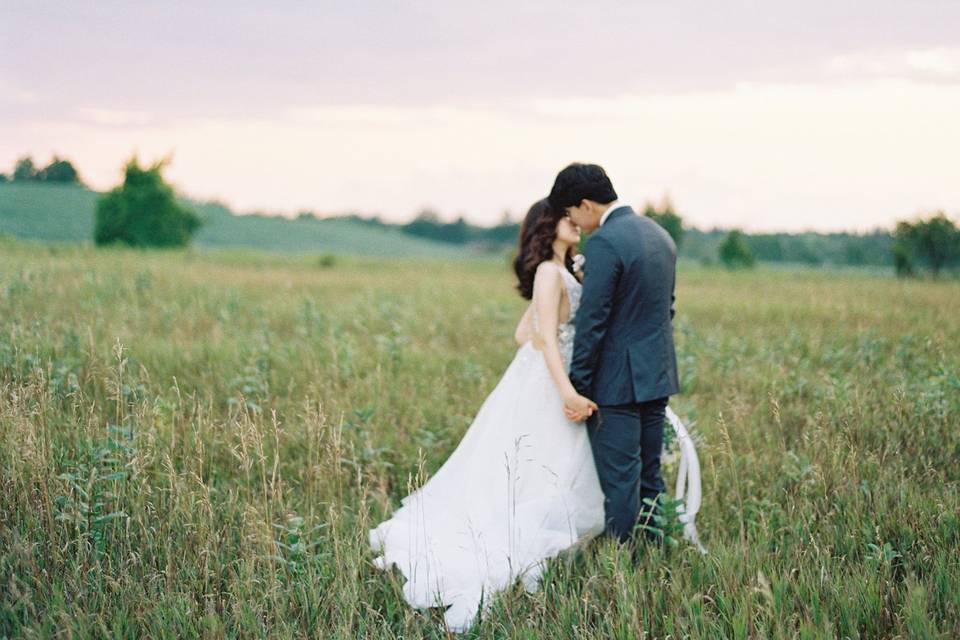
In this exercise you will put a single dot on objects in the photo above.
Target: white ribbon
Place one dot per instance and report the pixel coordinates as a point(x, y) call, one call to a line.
point(688, 487)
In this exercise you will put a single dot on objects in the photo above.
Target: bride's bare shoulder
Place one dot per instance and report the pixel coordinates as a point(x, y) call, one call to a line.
point(548, 266)
point(547, 274)
point(548, 283)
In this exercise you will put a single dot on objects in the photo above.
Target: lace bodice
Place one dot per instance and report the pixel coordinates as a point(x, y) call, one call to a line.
point(565, 331)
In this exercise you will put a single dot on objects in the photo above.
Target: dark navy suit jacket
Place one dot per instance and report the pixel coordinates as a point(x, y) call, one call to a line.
point(623, 351)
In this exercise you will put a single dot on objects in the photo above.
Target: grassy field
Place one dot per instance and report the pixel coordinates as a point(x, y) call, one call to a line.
point(195, 444)
point(65, 213)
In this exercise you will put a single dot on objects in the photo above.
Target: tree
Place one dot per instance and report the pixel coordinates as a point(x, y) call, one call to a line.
point(902, 258)
point(457, 232)
point(427, 224)
point(504, 234)
point(934, 243)
point(143, 211)
point(666, 217)
point(58, 170)
point(428, 215)
point(24, 170)
point(734, 252)
point(765, 247)
point(807, 255)
point(4, 178)
point(854, 253)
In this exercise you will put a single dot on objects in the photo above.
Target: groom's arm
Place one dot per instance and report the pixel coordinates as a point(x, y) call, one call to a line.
point(673, 289)
point(601, 274)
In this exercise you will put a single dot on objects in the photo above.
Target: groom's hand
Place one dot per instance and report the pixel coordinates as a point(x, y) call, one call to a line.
point(578, 408)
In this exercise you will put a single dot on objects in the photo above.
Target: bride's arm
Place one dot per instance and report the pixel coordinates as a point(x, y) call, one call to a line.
point(547, 290)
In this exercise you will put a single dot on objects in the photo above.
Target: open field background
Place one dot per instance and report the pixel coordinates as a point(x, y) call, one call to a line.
point(168, 419)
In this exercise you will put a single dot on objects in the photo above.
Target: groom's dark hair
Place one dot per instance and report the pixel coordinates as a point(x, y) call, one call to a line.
point(578, 182)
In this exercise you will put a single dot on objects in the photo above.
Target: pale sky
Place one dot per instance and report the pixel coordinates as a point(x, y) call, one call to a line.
point(764, 115)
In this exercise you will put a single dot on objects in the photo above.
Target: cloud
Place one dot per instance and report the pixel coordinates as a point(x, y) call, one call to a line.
point(938, 63)
point(114, 117)
point(12, 92)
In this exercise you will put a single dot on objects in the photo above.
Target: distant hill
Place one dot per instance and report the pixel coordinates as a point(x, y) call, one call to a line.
point(65, 213)
point(53, 213)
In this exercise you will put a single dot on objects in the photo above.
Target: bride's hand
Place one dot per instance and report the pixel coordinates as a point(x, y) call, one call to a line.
point(578, 408)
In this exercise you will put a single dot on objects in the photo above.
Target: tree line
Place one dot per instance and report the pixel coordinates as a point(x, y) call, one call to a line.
point(931, 244)
point(908, 251)
point(143, 211)
point(57, 171)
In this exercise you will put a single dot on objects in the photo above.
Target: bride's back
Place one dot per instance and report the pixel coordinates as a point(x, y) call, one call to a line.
point(569, 301)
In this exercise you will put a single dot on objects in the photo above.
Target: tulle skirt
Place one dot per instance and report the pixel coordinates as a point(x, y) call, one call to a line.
point(520, 487)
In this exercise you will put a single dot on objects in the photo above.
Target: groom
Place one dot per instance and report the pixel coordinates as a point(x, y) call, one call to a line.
point(623, 354)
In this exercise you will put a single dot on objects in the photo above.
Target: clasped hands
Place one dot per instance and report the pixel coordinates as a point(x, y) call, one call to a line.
point(577, 407)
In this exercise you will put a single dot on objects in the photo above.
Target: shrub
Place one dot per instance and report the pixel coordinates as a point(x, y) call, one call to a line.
point(143, 212)
point(734, 252)
point(667, 218)
point(934, 243)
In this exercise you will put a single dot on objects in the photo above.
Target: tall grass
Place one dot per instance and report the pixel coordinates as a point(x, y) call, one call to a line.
point(195, 445)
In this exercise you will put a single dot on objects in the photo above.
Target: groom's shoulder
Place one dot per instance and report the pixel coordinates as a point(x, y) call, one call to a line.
point(628, 228)
point(601, 237)
point(618, 229)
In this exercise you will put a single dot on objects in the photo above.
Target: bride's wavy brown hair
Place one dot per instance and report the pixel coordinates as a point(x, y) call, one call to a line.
point(537, 233)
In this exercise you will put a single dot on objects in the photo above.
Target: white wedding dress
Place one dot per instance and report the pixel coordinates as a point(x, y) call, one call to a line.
point(520, 487)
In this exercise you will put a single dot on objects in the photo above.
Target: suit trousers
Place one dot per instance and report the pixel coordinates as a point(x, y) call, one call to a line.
point(626, 441)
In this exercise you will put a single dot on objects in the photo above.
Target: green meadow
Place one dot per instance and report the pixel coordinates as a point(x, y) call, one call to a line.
point(195, 443)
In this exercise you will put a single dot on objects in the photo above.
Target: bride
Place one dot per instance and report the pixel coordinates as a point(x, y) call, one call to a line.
point(521, 486)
